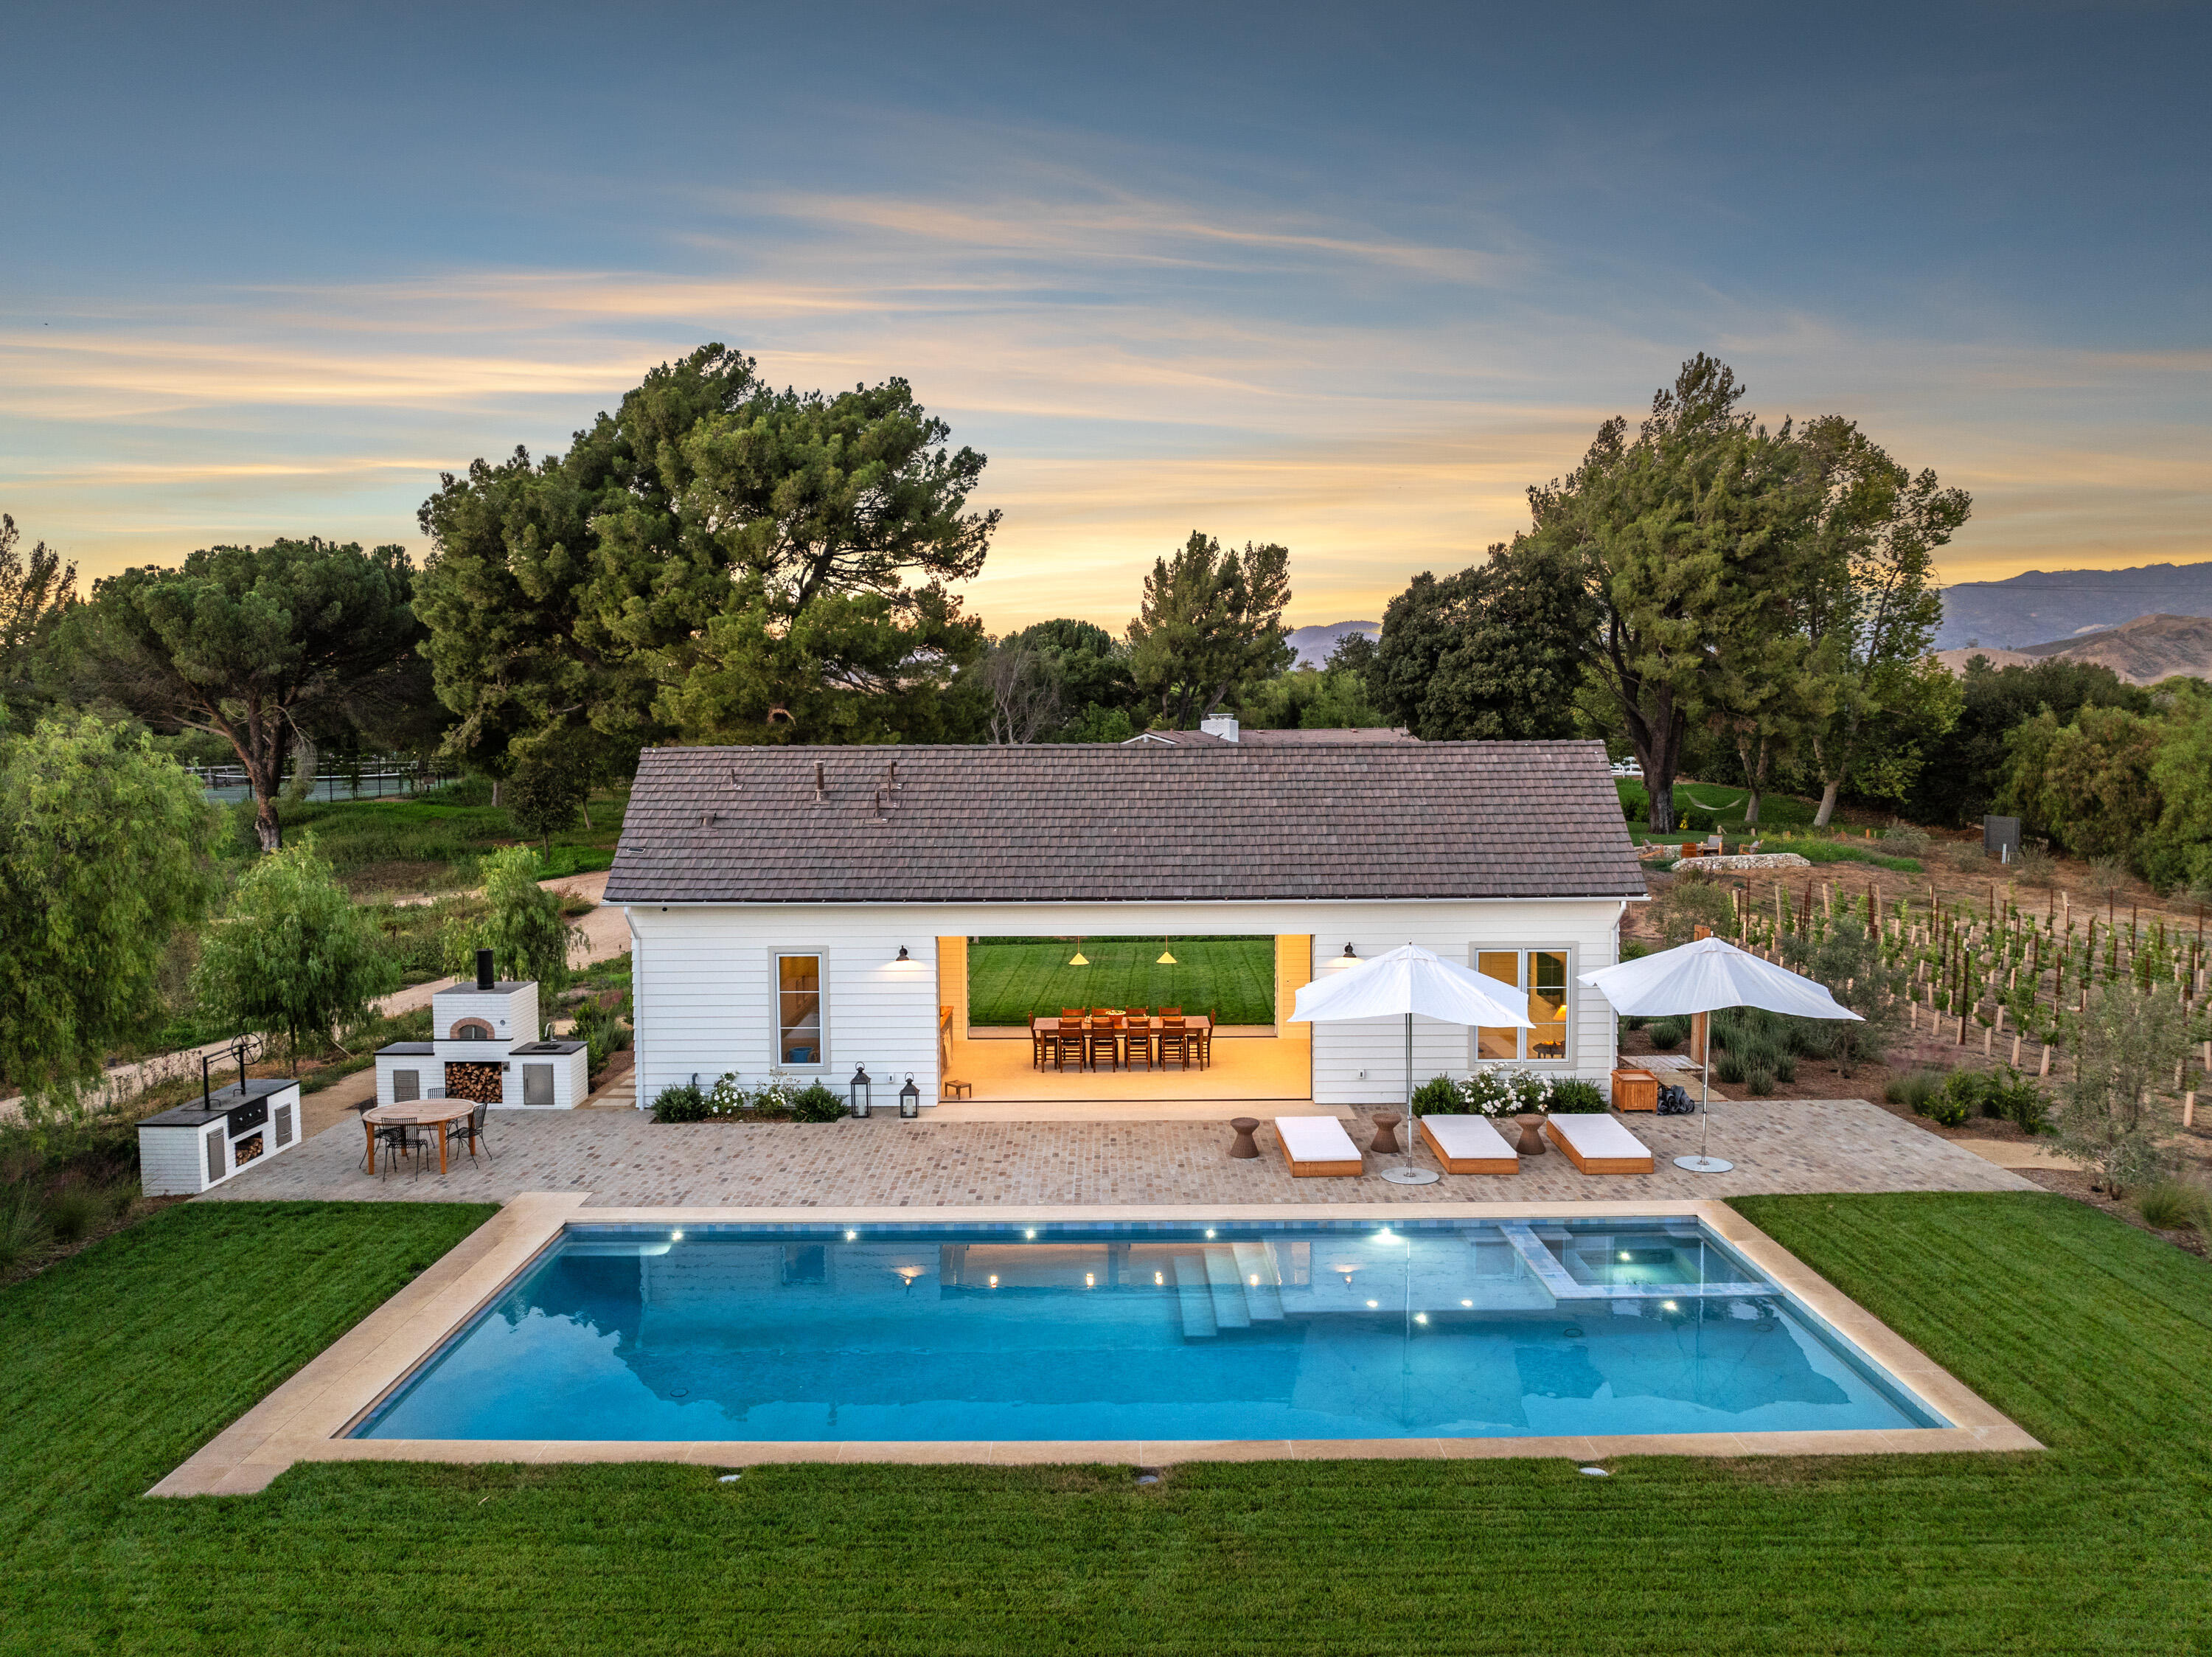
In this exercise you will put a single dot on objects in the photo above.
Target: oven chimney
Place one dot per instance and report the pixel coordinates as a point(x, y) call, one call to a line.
point(483, 969)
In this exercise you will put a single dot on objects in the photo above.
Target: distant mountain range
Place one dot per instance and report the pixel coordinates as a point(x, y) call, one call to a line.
point(2142, 651)
point(1313, 644)
point(2056, 604)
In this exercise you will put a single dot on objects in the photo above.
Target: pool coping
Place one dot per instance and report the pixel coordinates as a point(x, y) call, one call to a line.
point(305, 1418)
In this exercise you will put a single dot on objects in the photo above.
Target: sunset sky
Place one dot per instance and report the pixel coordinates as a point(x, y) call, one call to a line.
point(1346, 278)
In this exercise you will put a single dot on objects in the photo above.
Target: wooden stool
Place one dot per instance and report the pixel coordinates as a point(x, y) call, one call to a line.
point(1244, 1145)
point(959, 1090)
point(1386, 1131)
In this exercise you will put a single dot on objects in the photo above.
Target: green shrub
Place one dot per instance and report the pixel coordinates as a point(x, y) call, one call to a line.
point(818, 1104)
point(1906, 840)
point(1944, 1111)
point(682, 1103)
point(1727, 1064)
point(1572, 1096)
point(2173, 1205)
point(602, 1031)
point(73, 1211)
point(1914, 1089)
point(22, 1226)
point(1759, 1079)
point(1667, 1034)
point(1636, 1022)
point(1439, 1096)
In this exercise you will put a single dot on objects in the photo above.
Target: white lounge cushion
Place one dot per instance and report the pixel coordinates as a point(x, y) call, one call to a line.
point(1464, 1138)
point(1315, 1139)
point(1598, 1136)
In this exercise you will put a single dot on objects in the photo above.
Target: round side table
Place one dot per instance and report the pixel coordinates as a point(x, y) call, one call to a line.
point(1386, 1131)
point(1244, 1145)
point(1532, 1134)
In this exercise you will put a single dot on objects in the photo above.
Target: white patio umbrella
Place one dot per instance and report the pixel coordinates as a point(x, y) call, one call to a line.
point(1704, 977)
point(1403, 983)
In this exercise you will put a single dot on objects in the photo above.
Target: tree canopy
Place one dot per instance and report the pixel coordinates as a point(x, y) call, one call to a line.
point(103, 862)
point(35, 591)
point(714, 560)
point(292, 956)
point(1210, 624)
point(1494, 652)
point(257, 645)
point(522, 927)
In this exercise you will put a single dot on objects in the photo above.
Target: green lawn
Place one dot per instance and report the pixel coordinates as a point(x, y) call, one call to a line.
point(1009, 978)
point(2097, 1337)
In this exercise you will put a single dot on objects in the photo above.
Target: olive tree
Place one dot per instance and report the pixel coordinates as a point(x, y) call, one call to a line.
point(2130, 1044)
point(522, 926)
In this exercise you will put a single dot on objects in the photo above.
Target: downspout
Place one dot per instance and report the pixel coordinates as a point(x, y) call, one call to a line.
point(637, 1009)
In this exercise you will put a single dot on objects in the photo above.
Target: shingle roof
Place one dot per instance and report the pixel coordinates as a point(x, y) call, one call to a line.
point(1328, 736)
point(1103, 823)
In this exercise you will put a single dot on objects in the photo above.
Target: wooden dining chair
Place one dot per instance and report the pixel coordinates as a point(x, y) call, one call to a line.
point(1170, 1011)
point(1071, 1014)
point(1105, 1040)
point(1174, 1039)
point(1137, 1042)
point(1206, 1039)
point(1036, 1044)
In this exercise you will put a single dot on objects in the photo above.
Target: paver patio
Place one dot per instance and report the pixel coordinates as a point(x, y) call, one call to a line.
point(624, 1160)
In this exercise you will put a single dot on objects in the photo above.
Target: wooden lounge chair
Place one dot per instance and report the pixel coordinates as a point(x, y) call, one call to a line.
point(1468, 1144)
point(1318, 1148)
point(1598, 1144)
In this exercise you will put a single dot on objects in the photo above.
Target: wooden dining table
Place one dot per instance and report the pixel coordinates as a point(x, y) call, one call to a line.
point(415, 1113)
point(1197, 1025)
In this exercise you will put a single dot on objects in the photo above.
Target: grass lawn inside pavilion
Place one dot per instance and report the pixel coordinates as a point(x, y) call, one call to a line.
point(1011, 979)
point(2096, 1337)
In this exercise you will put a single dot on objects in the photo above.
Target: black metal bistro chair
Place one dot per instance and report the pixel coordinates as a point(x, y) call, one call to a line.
point(470, 1130)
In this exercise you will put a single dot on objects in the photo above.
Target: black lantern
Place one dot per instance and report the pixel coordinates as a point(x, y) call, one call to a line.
point(860, 1091)
point(910, 1099)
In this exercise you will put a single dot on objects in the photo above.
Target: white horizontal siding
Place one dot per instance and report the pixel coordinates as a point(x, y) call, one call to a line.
point(511, 1013)
point(703, 987)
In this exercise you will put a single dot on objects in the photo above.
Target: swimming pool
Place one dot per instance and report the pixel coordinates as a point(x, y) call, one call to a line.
point(1320, 1329)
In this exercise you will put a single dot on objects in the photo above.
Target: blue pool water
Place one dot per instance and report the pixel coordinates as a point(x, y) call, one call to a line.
point(1330, 1330)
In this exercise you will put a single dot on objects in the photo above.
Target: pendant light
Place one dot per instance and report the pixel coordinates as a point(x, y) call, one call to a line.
point(1077, 960)
point(1167, 957)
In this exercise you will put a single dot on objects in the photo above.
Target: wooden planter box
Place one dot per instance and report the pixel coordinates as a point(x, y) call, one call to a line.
point(1635, 1090)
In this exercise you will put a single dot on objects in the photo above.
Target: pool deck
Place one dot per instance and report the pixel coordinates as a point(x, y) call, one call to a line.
point(548, 1168)
point(620, 1158)
point(304, 1419)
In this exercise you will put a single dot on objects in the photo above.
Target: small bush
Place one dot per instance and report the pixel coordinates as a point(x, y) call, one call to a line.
point(22, 1226)
point(1914, 1089)
point(2036, 867)
point(1966, 856)
point(1439, 1096)
point(1489, 1094)
point(1667, 1034)
point(1945, 1111)
point(1727, 1064)
point(2173, 1205)
point(1572, 1096)
point(818, 1104)
point(1759, 1079)
point(1906, 840)
point(602, 1031)
point(73, 1211)
point(683, 1103)
point(1634, 1023)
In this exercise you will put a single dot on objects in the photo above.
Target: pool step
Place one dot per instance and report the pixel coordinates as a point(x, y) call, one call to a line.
point(1230, 1309)
point(1195, 1291)
point(1263, 1296)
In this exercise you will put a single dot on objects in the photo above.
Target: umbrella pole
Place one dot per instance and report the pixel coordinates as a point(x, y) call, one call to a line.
point(1701, 1163)
point(1406, 1174)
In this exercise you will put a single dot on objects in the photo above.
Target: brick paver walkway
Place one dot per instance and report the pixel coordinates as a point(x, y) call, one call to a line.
point(624, 1160)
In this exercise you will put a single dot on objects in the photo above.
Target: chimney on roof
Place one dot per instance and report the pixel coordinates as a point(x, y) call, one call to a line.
point(483, 969)
point(1221, 725)
point(820, 793)
point(895, 782)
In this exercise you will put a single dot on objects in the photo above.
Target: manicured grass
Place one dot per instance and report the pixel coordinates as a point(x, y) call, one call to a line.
point(1009, 978)
point(2097, 1337)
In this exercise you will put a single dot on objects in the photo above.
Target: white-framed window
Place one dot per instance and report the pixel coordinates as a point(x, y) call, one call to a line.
point(1542, 980)
point(801, 1032)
